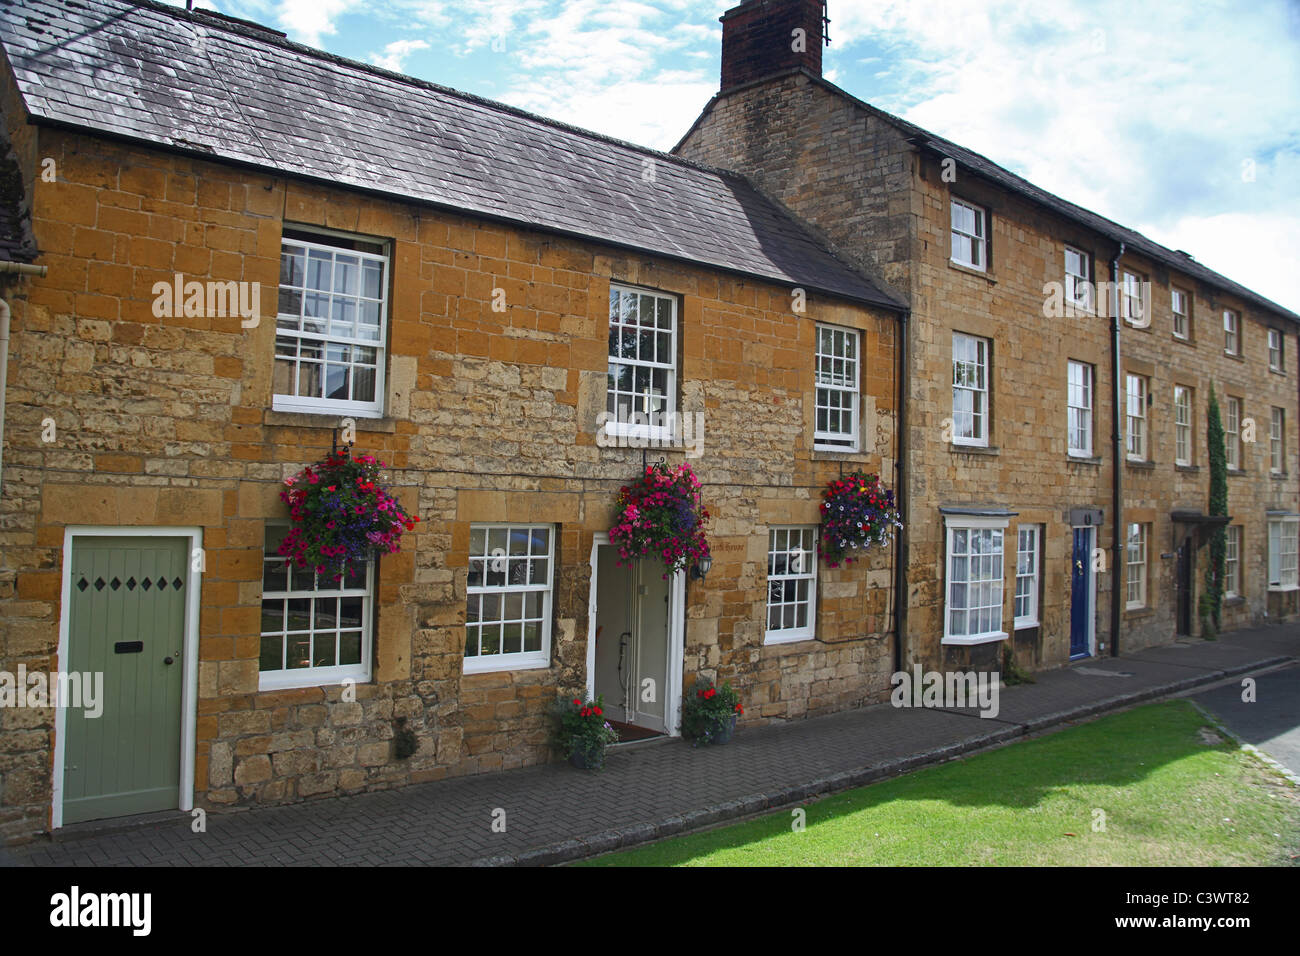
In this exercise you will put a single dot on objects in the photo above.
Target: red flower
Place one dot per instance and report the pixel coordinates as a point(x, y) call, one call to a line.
point(576, 702)
point(598, 711)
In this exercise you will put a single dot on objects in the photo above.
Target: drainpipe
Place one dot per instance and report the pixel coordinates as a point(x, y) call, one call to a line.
point(900, 493)
point(1118, 455)
point(21, 268)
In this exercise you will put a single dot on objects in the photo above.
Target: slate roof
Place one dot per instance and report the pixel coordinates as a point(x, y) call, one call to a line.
point(209, 85)
point(987, 169)
point(1133, 241)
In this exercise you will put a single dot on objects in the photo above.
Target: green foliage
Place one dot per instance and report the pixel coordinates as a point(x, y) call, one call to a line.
point(1214, 573)
point(581, 726)
point(708, 710)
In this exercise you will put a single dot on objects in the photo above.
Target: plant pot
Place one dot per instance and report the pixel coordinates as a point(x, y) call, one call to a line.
point(723, 730)
point(586, 756)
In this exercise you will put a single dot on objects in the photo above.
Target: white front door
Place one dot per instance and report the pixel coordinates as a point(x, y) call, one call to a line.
point(637, 635)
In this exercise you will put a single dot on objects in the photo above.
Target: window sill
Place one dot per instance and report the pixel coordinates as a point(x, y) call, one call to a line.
point(322, 420)
point(1135, 613)
point(1142, 465)
point(958, 449)
point(1233, 600)
point(1188, 469)
point(1278, 475)
point(1277, 371)
point(495, 667)
point(1236, 472)
point(973, 271)
point(271, 682)
point(967, 641)
point(1026, 625)
point(1084, 459)
point(777, 637)
point(837, 452)
point(1279, 589)
point(1234, 355)
point(1185, 340)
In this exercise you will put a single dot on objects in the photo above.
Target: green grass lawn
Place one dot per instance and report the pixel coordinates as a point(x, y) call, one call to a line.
point(1173, 793)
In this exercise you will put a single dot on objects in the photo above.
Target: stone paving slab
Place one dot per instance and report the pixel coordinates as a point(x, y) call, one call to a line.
point(554, 814)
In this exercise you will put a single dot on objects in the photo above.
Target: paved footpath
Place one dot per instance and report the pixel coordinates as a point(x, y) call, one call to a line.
point(554, 813)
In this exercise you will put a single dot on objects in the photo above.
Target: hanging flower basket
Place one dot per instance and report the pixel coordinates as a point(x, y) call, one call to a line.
point(661, 515)
point(341, 516)
point(857, 515)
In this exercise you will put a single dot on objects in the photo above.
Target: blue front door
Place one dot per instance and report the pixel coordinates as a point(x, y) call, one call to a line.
point(1080, 592)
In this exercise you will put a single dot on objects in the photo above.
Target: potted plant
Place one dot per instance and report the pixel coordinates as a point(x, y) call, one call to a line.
point(661, 515)
point(709, 717)
point(857, 514)
point(583, 733)
point(341, 515)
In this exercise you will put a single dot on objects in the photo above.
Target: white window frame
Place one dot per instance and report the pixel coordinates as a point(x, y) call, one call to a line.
point(1078, 401)
point(1232, 561)
point(1276, 355)
point(1027, 568)
point(1131, 300)
point(520, 660)
point(1283, 542)
point(962, 346)
point(1277, 441)
point(665, 414)
point(1179, 297)
point(312, 676)
point(1135, 425)
point(798, 564)
point(839, 375)
point(1183, 405)
point(1231, 332)
point(1078, 283)
point(978, 239)
point(955, 525)
point(1139, 566)
point(1232, 431)
point(333, 406)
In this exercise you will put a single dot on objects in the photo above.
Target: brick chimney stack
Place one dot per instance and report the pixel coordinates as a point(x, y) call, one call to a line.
point(763, 37)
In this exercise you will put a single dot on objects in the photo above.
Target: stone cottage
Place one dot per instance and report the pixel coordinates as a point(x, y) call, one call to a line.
point(1057, 374)
point(220, 272)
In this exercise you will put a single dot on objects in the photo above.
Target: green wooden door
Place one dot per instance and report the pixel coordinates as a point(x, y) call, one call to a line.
point(126, 621)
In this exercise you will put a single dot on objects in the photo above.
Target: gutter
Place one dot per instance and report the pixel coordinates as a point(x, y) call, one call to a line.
point(10, 268)
point(1118, 457)
point(900, 491)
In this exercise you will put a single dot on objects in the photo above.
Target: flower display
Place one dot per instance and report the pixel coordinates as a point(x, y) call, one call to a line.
point(661, 515)
point(707, 715)
point(857, 514)
point(582, 728)
point(341, 515)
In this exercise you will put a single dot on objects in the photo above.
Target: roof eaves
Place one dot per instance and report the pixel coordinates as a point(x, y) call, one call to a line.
point(1108, 228)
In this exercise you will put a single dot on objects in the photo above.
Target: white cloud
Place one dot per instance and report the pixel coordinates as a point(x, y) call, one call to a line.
point(308, 20)
point(646, 111)
point(395, 54)
point(1143, 116)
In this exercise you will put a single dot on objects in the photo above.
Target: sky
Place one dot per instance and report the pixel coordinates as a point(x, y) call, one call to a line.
point(1177, 118)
